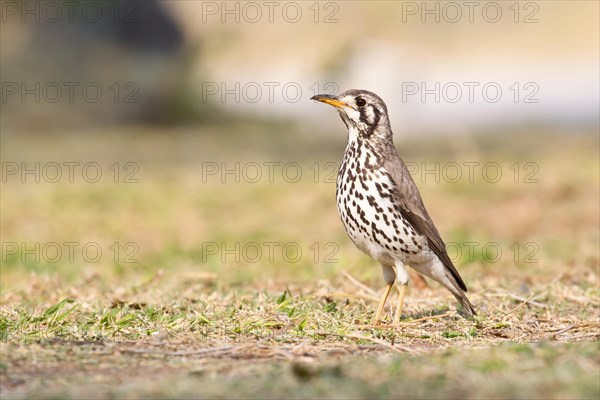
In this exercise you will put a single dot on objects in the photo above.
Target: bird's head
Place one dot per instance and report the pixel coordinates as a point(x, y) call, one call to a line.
point(363, 112)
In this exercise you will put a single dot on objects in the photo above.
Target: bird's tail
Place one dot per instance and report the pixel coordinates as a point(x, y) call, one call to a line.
point(457, 290)
point(464, 301)
point(438, 272)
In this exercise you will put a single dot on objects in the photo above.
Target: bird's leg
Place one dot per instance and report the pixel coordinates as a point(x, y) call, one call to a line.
point(403, 278)
point(388, 288)
point(401, 293)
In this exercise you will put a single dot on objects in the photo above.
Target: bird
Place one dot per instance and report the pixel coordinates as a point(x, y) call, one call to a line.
point(381, 207)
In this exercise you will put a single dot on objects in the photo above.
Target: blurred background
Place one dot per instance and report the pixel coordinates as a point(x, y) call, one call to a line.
point(190, 61)
point(164, 96)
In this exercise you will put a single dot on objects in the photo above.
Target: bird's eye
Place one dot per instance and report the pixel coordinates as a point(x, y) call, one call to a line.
point(360, 101)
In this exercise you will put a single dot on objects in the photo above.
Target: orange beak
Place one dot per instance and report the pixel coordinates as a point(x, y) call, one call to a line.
point(329, 99)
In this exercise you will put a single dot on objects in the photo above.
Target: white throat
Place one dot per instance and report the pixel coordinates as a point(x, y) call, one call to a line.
point(352, 134)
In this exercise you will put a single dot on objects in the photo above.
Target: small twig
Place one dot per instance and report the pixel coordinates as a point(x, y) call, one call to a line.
point(531, 302)
point(563, 330)
point(581, 300)
point(371, 326)
point(556, 279)
point(521, 305)
point(597, 334)
point(359, 284)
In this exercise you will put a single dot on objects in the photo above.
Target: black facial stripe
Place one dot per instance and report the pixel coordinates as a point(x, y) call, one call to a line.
point(377, 116)
point(363, 115)
point(370, 125)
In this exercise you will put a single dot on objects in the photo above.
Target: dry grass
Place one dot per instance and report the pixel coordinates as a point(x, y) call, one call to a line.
point(184, 323)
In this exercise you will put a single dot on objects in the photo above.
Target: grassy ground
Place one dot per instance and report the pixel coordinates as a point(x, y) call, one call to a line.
point(211, 287)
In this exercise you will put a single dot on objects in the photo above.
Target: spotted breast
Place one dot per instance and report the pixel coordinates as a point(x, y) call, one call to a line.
point(368, 210)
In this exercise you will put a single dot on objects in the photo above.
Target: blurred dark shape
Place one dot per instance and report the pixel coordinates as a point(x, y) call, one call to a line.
point(133, 50)
point(136, 25)
point(156, 31)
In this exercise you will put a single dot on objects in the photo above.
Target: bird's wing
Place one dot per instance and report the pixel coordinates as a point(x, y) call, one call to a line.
point(414, 211)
